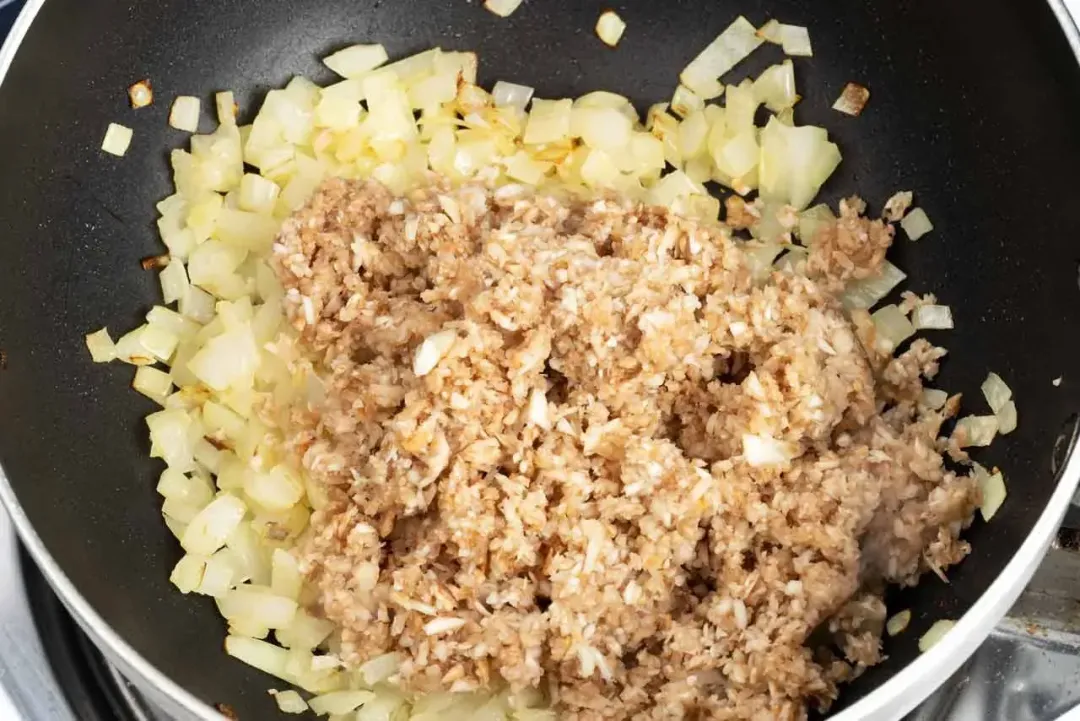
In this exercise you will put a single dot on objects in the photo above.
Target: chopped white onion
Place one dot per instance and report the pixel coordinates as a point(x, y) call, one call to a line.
point(775, 88)
point(101, 346)
point(187, 574)
point(933, 398)
point(185, 113)
point(891, 328)
point(502, 8)
point(225, 103)
point(996, 392)
point(812, 220)
point(208, 530)
point(932, 317)
point(141, 94)
point(356, 60)
point(795, 162)
point(289, 702)
point(511, 95)
point(916, 224)
point(935, 634)
point(731, 47)
point(865, 293)
point(549, 121)
point(610, 27)
point(117, 140)
point(992, 490)
point(975, 431)
point(796, 40)
point(770, 31)
point(852, 100)
point(685, 101)
point(1007, 418)
point(340, 702)
point(897, 623)
point(152, 383)
point(174, 281)
point(264, 656)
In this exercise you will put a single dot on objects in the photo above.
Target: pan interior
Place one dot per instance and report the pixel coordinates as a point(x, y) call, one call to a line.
point(973, 106)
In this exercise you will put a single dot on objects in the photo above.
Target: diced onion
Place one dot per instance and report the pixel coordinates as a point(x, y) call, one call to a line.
point(610, 27)
point(993, 492)
point(226, 107)
point(916, 224)
point(975, 431)
point(933, 398)
point(731, 47)
point(897, 623)
point(796, 40)
point(356, 60)
point(813, 220)
point(185, 113)
point(765, 451)
point(511, 95)
point(502, 8)
point(864, 294)
point(117, 140)
point(208, 530)
point(932, 317)
point(174, 281)
point(996, 392)
point(219, 575)
point(289, 702)
point(775, 87)
point(380, 668)
point(549, 121)
point(1007, 418)
point(187, 574)
point(685, 101)
point(892, 328)
point(262, 655)
point(935, 634)
point(770, 32)
point(340, 702)
point(101, 346)
point(152, 383)
point(795, 162)
point(852, 100)
point(141, 94)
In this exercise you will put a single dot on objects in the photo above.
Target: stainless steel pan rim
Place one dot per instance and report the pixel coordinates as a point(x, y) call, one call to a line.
point(889, 702)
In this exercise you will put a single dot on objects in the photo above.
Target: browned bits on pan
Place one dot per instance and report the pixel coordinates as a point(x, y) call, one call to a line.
point(227, 711)
point(155, 262)
point(141, 94)
point(852, 100)
point(3, 360)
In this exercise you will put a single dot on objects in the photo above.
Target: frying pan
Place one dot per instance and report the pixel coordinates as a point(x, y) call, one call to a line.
point(975, 106)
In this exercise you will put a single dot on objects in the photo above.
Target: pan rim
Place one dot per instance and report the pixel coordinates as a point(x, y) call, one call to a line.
point(890, 701)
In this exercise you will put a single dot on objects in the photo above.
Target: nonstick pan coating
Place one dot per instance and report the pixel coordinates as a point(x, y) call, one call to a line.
point(975, 106)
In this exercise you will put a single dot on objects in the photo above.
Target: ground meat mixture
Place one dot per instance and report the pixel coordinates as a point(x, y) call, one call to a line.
point(573, 445)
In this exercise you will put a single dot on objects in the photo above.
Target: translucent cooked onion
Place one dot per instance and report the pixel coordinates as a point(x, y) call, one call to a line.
point(852, 100)
point(975, 431)
point(996, 392)
point(185, 113)
point(731, 47)
point(356, 60)
point(610, 27)
point(289, 702)
point(101, 346)
point(796, 40)
point(117, 140)
point(992, 491)
point(891, 328)
point(898, 623)
point(916, 224)
point(865, 293)
point(935, 634)
point(511, 95)
point(502, 8)
point(932, 317)
point(933, 398)
point(340, 702)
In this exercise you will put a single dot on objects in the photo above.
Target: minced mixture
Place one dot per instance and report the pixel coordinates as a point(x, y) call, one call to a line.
point(573, 445)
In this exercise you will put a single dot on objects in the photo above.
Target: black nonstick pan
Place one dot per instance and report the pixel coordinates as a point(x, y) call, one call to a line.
point(975, 106)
